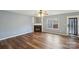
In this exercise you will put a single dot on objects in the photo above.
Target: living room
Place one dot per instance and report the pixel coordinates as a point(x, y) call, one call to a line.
point(39, 29)
point(35, 25)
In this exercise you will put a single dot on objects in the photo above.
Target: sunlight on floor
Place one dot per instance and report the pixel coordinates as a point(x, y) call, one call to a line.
point(55, 40)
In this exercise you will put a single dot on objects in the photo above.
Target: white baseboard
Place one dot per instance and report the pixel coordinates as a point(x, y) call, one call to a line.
point(63, 34)
point(58, 33)
point(14, 35)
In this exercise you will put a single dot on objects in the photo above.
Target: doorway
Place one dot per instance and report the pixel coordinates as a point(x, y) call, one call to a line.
point(73, 26)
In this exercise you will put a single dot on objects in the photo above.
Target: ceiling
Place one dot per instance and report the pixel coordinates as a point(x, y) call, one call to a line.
point(50, 12)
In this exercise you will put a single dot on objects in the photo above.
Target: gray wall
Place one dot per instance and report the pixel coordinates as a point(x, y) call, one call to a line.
point(13, 24)
point(62, 18)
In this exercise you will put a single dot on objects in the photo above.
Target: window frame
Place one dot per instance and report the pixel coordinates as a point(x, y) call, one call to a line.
point(53, 19)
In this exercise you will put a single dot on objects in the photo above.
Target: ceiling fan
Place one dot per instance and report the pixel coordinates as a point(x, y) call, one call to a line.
point(42, 13)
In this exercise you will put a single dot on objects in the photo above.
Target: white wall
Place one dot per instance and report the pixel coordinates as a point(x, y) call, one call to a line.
point(62, 18)
point(12, 24)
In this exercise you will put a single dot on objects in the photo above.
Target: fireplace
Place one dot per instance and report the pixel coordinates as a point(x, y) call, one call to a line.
point(37, 28)
point(38, 24)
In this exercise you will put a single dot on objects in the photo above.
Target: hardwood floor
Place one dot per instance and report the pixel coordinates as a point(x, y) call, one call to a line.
point(40, 41)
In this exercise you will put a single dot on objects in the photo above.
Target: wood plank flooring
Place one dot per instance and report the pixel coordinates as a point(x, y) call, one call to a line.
point(39, 40)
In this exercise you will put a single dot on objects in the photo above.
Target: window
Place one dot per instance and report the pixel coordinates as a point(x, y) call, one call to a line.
point(55, 24)
point(52, 23)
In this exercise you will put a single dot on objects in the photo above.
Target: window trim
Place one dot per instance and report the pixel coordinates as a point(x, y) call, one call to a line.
point(52, 23)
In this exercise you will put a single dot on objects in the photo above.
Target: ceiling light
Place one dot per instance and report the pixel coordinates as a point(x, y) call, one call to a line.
point(42, 13)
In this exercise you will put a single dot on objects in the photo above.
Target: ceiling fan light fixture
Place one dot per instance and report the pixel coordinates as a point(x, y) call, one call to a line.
point(42, 13)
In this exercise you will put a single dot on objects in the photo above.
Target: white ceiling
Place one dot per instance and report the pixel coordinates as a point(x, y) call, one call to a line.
point(50, 12)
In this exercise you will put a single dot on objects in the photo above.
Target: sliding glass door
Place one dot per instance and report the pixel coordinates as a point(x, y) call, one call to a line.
point(73, 26)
